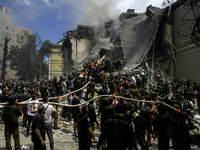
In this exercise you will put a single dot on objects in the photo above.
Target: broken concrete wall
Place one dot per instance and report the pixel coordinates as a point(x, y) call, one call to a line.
point(80, 49)
point(137, 36)
point(187, 58)
point(67, 54)
point(129, 40)
point(95, 52)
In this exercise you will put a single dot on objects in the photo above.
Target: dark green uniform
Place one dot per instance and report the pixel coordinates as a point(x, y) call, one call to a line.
point(111, 87)
point(10, 117)
point(92, 115)
point(52, 89)
point(55, 114)
point(43, 90)
point(91, 89)
point(107, 110)
point(120, 90)
point(134, 93)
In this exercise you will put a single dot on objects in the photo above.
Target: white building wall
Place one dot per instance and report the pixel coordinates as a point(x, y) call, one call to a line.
point(7, 28)
point(83, 49)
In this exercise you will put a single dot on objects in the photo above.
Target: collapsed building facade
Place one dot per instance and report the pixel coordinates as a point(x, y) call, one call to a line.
point(159, 41)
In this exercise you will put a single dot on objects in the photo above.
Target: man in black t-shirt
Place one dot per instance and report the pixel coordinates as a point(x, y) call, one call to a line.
point(38, 129)
point(76, 112)
point(118, 131)
point(85, 130)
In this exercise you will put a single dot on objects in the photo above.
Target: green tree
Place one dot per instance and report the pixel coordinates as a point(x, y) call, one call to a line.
point(43, 54)
point(45, 49)
point(23, 56)
point(28, 57)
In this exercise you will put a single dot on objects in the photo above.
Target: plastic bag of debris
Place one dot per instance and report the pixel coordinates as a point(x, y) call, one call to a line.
point(25, 147)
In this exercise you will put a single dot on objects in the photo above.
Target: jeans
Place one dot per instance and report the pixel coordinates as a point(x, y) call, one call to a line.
point(49, 130)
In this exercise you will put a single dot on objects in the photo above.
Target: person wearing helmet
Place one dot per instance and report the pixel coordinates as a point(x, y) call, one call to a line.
point(108, 65)
point(121, 64)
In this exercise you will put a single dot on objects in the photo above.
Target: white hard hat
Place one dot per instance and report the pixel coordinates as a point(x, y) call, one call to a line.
point(80, 76)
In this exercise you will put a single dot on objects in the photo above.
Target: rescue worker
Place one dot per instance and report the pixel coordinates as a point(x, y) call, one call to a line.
point(91, 88)
point(44, 90)
point(118, 132)
point(120, 89)
point(10, 117)
point(161, 125)
point(134, 92)
point(111, 86)
point(92, 115)
point(85, 130)
point(182, 129)
point(121, 65)
point(52, 88)
point(102, 76)
point(106, 109)
point(108, 66)
point(142, 125)
point(55, 114)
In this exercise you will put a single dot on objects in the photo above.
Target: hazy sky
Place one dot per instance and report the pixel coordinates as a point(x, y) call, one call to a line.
point(51, 18)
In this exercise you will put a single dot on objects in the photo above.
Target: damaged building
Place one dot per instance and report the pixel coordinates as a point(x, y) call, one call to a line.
point(158, 41)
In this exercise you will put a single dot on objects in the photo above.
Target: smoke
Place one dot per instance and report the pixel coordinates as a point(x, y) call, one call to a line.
point(86, 12)
point(93, 12)
point(98, 11)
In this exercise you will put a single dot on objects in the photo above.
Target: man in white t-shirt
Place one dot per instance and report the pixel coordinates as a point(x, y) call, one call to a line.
point(64, 87)
point(133, 80)
point(30, 114)
point(48, 120)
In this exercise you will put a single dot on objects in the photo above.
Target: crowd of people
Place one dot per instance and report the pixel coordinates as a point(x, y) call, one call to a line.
point(124, 122)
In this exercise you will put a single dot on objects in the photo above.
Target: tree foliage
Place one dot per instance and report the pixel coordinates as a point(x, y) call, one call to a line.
point(27, 58)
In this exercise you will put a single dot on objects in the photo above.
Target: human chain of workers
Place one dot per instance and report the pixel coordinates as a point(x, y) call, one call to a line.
point(129, 108)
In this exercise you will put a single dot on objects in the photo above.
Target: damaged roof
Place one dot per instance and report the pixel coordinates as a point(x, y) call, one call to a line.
point(137, 36)
point(94, 54)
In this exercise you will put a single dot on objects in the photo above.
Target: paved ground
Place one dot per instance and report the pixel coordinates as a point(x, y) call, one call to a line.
point(63, 138)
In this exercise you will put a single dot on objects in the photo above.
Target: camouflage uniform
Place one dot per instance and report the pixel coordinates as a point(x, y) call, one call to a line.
point(134, 93)
point(111, 86)
point(120, 90)
point(10, 117)
point(107, 110)
point(55, 114)
point(52, 89)
point(14, 130)
point(91, 89)
point(43, 90)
